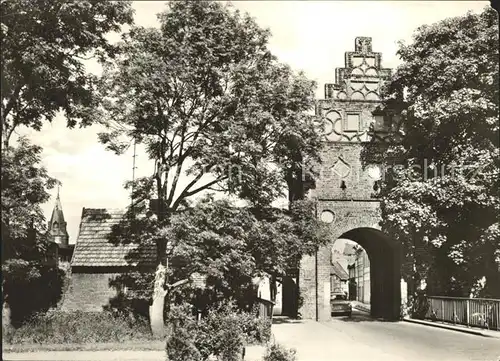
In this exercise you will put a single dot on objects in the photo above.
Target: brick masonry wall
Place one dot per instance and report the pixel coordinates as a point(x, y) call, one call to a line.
point(358, 183)
point(88, 292)
point(307, 287)
point(348, 215)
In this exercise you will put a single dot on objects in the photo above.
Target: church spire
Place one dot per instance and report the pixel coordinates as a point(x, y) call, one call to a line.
point(57, 224)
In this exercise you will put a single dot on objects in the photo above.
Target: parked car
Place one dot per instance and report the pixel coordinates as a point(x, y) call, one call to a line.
point(340, 305)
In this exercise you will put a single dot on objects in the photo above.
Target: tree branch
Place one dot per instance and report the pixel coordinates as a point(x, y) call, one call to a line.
point(178, 283)
point(185, 190)
point(205, 186)
point(175, 181)
point(12, 102)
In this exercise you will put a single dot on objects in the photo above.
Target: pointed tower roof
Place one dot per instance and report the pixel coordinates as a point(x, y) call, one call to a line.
point(57, 224)
point(57, 212)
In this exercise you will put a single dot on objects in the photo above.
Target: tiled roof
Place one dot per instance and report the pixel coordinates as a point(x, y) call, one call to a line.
point(339, 271)
point(94, 249)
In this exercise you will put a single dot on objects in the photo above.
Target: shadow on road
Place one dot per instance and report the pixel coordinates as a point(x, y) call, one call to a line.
point(359, 316)
point(277, 320)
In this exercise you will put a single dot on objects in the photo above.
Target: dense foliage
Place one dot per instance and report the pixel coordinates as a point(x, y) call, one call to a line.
point(30, 287)
point(44, 44)
point(228, 247)
point(25, 184)
point(442, 199)
point(231, 245)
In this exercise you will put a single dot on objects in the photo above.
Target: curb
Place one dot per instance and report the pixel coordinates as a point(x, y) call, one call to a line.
point(361, 308)
point(452, 328)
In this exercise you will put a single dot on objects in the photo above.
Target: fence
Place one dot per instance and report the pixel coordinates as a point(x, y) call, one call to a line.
point(265, 308)
point(476, 312)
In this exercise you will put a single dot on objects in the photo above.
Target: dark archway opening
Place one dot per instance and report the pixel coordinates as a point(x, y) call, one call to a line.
point(385, 270)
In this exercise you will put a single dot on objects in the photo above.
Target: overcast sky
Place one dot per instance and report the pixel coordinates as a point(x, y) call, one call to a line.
point(309, 35)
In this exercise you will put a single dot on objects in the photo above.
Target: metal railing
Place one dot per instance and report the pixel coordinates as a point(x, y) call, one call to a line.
point(473, 312)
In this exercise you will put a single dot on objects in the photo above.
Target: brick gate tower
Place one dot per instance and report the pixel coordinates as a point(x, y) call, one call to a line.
point(346, 189)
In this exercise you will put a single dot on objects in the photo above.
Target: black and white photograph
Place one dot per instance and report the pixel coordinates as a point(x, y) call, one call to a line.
point(200, 180)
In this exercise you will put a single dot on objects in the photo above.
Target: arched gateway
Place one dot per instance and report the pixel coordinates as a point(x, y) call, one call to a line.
point(346, 188)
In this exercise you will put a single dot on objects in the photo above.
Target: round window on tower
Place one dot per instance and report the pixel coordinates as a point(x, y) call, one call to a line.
point(327, 217)
point(374, 172)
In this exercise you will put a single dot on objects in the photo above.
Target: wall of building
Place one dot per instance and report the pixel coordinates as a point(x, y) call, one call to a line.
point(362, 267)
point(88, 292)
point(278, 306)
point(366, 279)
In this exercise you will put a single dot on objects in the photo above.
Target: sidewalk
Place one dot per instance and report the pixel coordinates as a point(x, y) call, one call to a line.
point(86, 356)
point(253, 353)
point(459, 328)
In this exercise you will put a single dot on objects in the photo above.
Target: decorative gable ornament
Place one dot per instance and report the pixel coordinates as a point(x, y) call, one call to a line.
point(341, 168)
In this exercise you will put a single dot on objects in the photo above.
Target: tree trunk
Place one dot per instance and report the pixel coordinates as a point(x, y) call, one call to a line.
point(157, 307)
point(6, 320)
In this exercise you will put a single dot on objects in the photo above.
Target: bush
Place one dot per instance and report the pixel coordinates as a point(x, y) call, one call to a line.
point(30, 287)
point(223, 332)
point(419, 306)
point(78, 327)
point(276, 352)
point(183, 335)
point(256, 330)
point(220, 333)
point(225, 335)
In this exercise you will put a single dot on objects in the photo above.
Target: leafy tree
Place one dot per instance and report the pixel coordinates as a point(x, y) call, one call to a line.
point(232, 246)
point(29, 283)
point(208, 100)
point(25, 185)
point(442, 202)
point(44, 44)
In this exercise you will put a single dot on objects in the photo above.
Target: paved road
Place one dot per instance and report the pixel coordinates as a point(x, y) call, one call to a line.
point(361, 338)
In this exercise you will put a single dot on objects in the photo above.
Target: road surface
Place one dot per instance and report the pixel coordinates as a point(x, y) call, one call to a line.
point(362, 338)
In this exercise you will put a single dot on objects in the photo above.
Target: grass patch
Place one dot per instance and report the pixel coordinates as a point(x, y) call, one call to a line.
point(77, 328)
